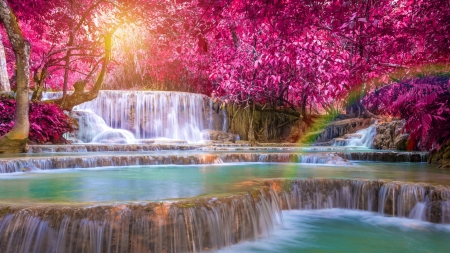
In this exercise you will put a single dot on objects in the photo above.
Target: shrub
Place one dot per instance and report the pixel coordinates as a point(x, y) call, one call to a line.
point(425, 105)
point(47, 121)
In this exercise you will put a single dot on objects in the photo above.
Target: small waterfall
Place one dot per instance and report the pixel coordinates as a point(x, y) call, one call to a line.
point(416, 201)
point(155, 227)
point(225, 122)
point(362, 138)
point(262, 158)
point(327, 193)
point(92, 128)
point(399, 199)
point(419, 212)
point(173, 115)
point(211, 103)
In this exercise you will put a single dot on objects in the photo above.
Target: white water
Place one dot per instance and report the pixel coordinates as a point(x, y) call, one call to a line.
point(365, 139)
point(147, 115)
point(93, 129)
point(173, 115)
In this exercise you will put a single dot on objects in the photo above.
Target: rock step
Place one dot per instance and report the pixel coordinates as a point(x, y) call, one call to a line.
point(10, 165)
point(70, 162)
point(389, 156)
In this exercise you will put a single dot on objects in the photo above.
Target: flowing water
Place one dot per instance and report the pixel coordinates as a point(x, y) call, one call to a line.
point(339, 230)
point(147, 115)
point(361, 138)
point(131, 193)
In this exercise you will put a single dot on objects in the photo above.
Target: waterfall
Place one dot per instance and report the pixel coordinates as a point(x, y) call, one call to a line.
point(362, 138)
point(151, 114)
point(195, 226)
point(408, 200)
point(92, 128)
point(399, 199)
point(262, 158)
point(173, 115)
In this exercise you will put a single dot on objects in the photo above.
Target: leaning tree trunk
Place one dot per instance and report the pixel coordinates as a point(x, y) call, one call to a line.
point(4, 79)
point(15, 140)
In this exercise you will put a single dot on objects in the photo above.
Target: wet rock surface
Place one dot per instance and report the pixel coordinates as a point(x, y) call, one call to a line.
point(390, 136)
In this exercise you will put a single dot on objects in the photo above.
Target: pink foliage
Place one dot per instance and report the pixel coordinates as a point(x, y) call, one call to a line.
point(425, 105)
point(285, 53)
point(47, 122)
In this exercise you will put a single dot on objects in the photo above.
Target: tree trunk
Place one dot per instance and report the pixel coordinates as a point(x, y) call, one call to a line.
point(39, 79)
point(4, 79)
point(15, 140)
point(79, 95)
point(251, 131)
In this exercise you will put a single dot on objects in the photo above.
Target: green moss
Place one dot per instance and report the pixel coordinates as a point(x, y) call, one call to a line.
point(4, 211)
point(186, 205)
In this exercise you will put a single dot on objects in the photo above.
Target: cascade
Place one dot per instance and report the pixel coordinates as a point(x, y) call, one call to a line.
point(206, 223)
point(148, 115)
point(173, 115)
point(61, 162)
point(11, 165)
point(92, 128)
point(362, 138)
point(155, 227)
point(416, 201)
point(64, 162)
